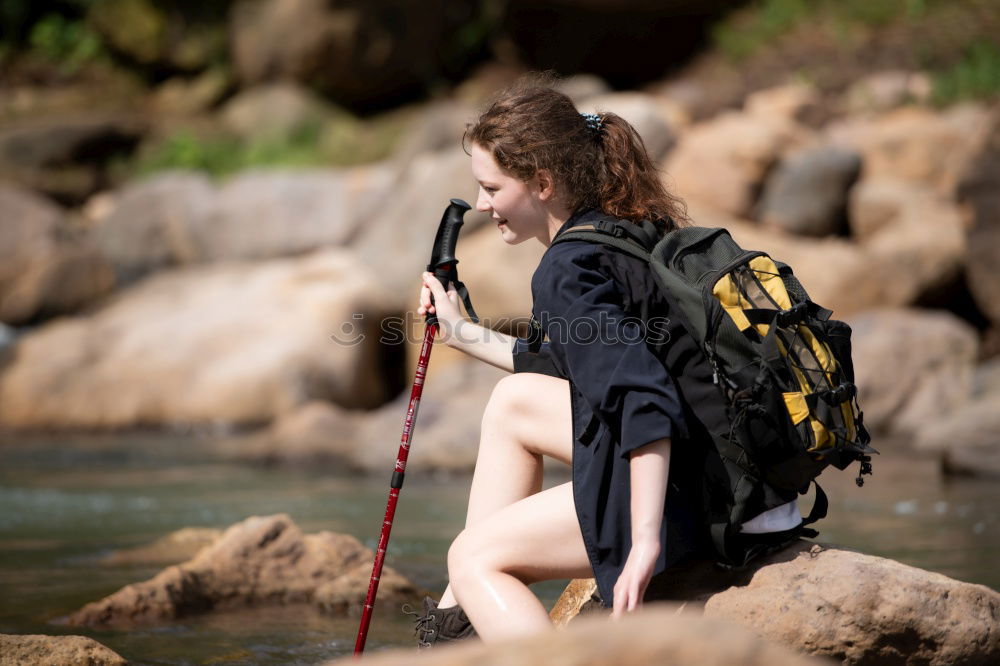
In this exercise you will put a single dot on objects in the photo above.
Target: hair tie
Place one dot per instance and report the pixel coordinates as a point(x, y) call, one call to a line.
point(594, 122)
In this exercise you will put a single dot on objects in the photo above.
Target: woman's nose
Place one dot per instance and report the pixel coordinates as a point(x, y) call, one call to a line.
point(482, 201)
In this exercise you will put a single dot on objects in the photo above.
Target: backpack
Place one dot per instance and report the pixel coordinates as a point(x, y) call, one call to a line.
point(784, 405)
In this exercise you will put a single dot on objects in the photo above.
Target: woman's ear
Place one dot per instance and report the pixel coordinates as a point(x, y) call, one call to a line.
point(546, 184)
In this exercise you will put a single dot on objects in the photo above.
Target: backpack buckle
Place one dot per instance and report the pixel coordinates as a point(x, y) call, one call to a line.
point(791, 316)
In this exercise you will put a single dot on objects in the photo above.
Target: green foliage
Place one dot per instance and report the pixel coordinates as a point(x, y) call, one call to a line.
point(766, 20)
point(66, 42)
point(345, 141)
point(224, 154)
point(976, 75)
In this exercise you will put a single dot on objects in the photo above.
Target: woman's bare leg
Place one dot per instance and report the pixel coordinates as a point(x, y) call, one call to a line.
point(492, 562)
point(528, 416)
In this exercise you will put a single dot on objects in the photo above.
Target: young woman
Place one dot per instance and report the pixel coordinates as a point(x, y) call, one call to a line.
point(595, 396)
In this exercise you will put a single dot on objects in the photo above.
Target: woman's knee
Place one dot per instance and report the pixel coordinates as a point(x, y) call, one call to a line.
point(470, 557)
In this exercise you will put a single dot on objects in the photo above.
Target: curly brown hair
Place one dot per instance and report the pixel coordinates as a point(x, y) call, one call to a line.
point(532, 126)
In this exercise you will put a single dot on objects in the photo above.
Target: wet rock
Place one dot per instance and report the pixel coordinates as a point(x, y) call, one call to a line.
point(260, 561)
point(657, 634)
point(722, 162)
point(45, 270)
point(912, 367)
point(173, 548)
point(650, 116)
point(979, 190)
point(807, 194)
point(230, 343)
point(829, 602)
point(20, 650)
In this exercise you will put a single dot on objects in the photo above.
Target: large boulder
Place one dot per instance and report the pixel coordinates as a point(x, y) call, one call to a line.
point(261, 214)
point(914, 144)
point(915, 237)
point(153, 223)
point(967, 440)
point(395, 240)
point(912, 367)
point(361, 54)
point(722, 162)
point(259, 562)
point(862, 609)
point(807, 194)
point(66, 157)
point(178, 218)
point(445, 435)
point(832, 270)
point(920, 252)
point(651, 116)
point(230, 343)
point(824, 601)
point(20, 650)
point(657, 634)
point(44, 270)
point(276, 109)
point(178, 546)
point(979, 189)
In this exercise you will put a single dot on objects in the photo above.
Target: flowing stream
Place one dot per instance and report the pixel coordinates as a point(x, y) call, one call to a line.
point(64, 504)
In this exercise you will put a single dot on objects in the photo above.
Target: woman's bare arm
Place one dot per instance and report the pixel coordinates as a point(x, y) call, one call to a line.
point(648, 469)
point(477, 341)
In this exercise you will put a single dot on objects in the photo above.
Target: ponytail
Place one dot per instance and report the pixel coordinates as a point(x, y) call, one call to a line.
point(630, 185)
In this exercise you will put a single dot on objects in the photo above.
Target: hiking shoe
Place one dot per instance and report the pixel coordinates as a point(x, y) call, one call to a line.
point(439, 624)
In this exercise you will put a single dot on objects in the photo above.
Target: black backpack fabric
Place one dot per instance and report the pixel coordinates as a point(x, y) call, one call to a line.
point(781, 405)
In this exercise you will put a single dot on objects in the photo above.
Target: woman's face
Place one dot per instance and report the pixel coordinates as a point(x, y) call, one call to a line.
point(515, 205)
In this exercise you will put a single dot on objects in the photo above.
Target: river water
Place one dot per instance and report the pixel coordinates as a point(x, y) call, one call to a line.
point(66, 504)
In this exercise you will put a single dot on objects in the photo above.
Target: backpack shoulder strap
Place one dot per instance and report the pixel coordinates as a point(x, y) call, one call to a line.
point(634, 239)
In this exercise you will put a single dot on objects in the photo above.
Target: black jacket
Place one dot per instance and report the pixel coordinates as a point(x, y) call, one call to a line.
point(594, 304)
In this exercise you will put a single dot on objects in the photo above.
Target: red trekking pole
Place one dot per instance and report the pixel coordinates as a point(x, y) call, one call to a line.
point(442, 264)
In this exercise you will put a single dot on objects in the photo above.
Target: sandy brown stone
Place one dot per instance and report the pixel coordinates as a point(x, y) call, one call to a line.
point(656, 635)
point(825, 601)
point(866, 610)
point(41, 650)
point(175, 547)
point(260, 561)
point(912, 367)
point(227, 343)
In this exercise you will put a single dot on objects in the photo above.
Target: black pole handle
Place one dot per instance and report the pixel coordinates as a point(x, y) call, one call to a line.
point(443, 260)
